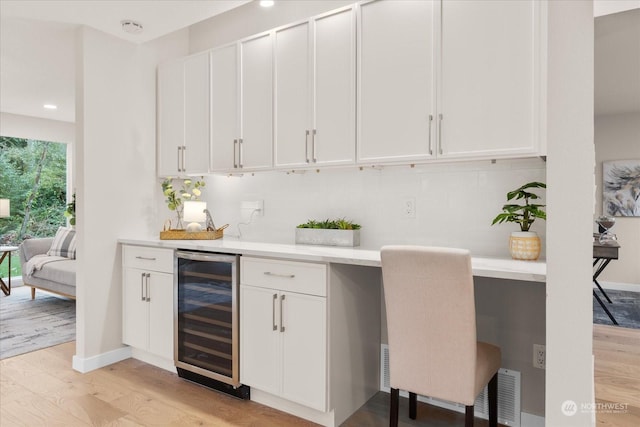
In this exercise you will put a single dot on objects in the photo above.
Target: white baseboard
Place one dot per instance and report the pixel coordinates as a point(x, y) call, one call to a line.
point(88, 364)
point(152, 359)
point(618, 286)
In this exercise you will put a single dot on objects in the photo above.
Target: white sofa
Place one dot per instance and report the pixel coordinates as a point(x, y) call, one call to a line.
point(58, 276)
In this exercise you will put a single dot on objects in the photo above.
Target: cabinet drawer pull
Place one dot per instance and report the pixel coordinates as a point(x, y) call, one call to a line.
point(281, 318)
point(287, 276)
point(273, 312)
point(146, 258)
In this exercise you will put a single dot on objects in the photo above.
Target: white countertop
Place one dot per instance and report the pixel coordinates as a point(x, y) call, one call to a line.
point(500, 268)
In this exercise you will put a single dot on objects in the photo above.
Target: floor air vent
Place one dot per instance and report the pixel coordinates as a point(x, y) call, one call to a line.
point(508, 394)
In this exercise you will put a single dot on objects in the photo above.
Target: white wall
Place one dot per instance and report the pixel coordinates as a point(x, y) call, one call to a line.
point(27, 127)
point(455, 203)
point(617, 137)
point(570, 198)
point(115, 123)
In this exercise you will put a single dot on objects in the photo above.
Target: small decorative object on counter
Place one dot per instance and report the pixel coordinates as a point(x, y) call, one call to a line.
point(605, 224)
point(523, 244)
point(338, 232)
point(169, 234)
point(175, 199)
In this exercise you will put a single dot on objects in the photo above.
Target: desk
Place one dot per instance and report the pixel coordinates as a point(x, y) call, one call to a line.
point(602, 256)
point(6, 250)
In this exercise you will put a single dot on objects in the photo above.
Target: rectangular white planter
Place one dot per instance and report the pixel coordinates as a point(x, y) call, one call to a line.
point(316, 236)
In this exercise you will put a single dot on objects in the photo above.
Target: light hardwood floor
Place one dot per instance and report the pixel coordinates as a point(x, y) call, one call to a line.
point(40, 388)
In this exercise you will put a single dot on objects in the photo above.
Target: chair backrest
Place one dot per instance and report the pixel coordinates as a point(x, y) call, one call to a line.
point(431, 320)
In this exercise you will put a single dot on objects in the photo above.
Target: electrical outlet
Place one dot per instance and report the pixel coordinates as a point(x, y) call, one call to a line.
point(409, 207)
point(254, 207)
point(539, 356)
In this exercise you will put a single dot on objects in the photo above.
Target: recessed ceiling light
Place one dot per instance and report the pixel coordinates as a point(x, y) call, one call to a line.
point(131, 27)
point(50, 106)
point(266, 3)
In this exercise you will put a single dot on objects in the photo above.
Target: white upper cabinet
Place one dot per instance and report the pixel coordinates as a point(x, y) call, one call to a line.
point(241, 105)
point(396, 102)
point(489, 82)
point(255, 144)
point(225, 102)
point(315, 91)
point(183, 116)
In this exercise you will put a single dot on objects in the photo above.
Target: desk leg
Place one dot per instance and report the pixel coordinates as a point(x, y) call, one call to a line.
point(606, 310)
point(6, 289)
point(599, 270)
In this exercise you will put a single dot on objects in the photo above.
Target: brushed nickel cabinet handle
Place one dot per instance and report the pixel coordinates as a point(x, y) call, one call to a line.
point(273, 312)
point(306, 145)
point(240, 153)
point(287, 276)
point(281, 318)
point(179, 154)
point(142, 287)
point(146, 258)
point(148, 293)
point(440, 134)
point(235, 143)
point(430, 122)
point(184, 162)
point(313, 146)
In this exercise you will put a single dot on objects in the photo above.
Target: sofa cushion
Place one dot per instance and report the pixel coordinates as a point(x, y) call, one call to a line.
point(63, 271)
point(64, 243)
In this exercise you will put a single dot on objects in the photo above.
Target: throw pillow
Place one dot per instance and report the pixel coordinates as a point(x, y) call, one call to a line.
point(64, 244)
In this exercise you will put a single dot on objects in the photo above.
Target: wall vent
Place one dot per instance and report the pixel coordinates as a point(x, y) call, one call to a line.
point(508, 394)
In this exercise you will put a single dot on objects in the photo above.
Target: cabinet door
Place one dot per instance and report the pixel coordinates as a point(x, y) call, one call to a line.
point(304, 349)
point(293, 95)
point(196, 114)
point(334, 141)
point(396, 85)
point(256, 103)
point(135, 310)
point(170, 118)
point(224, 107)
point(260, 365)
point(489, 77)
point(160, 320)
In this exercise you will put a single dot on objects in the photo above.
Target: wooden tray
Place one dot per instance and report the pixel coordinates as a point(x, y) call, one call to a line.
point(198, 235)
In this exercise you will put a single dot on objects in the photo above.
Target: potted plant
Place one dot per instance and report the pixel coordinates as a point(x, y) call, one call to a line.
point(175, 198)
point(523, 244)
point(336, 232)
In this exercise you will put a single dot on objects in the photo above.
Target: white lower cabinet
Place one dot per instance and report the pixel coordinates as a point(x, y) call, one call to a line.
point(147, 300)
point(283, 333)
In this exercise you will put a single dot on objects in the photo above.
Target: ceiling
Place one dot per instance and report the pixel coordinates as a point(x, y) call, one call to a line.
point(37, 53)
point(37, 45)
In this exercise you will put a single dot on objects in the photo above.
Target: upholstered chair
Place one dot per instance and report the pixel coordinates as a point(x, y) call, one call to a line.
point(431, 320)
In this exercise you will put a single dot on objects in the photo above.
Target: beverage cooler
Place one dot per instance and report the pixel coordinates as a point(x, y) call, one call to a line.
point(206, 349)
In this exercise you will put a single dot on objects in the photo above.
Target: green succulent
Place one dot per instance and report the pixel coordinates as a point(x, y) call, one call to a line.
point(327, 224)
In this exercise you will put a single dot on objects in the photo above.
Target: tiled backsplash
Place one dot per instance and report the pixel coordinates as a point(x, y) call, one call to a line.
point(455, 203)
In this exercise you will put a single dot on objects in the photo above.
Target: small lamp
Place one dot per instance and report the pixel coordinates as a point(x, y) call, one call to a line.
point(194, 214)
point(5, 208)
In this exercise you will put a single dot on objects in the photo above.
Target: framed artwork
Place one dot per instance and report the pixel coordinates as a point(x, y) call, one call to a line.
point(621, 188)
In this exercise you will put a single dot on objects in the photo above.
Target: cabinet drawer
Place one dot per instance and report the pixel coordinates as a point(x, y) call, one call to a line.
point(153, 259)
point(290, 276)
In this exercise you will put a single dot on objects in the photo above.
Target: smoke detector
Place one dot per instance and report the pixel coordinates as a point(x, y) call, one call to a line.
point(131, 27)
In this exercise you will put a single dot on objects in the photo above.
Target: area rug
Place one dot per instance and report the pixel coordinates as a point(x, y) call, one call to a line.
point(27, 325)
point(625, 308)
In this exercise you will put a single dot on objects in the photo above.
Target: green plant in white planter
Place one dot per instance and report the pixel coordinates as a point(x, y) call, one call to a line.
point(523, 244)
point(337, 232)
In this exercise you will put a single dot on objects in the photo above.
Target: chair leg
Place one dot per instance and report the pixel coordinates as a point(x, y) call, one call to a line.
point(413, 405)
point(493, 401)
point(395, 404)
point(33, 293)
point(468, 416)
